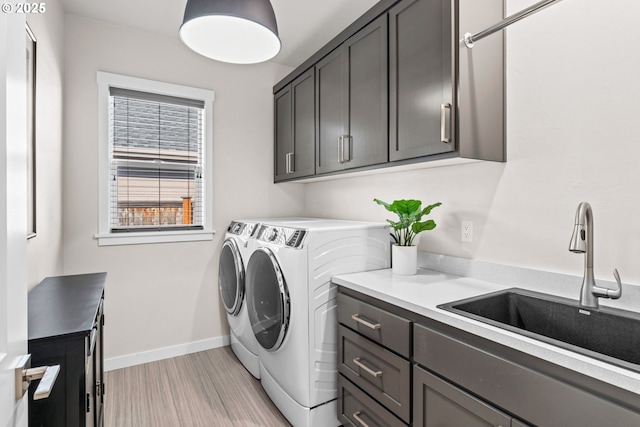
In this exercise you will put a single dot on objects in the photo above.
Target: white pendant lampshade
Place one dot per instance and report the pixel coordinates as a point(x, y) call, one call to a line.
point(235, 31)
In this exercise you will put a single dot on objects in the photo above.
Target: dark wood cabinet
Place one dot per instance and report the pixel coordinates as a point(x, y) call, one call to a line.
point(374, 377)
point(438, 403)
point(295, 130)
point(351, 102)
point(395, 88)
point(421, 100)
point(66, 322)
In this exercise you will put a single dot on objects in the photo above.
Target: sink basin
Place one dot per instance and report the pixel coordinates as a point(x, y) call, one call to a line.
point(607, 334)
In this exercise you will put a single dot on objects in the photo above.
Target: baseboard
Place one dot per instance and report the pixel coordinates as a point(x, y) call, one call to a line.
point(164, 353)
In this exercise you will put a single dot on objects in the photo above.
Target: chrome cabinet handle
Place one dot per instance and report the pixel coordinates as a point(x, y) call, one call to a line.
point(356, 416)
point(367, 369)
point(289, 163)
point(24, 374)
point(341, 151)
point(443, 122)
point(357, 318)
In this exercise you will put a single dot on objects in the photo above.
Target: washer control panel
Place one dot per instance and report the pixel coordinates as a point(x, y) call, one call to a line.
point(283, 236)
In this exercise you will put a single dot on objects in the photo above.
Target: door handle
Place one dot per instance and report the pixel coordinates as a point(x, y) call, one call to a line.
point(358, 319)
point(289, 163)
point(24, 374)
point(356, 416)
point(341, 150)
point(367, 369)
point(443, 123)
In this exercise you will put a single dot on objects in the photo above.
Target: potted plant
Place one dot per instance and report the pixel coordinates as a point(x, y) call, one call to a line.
point(404, 255)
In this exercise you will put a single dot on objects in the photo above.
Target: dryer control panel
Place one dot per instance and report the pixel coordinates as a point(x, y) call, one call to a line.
point(283, 236)
point(242, 228)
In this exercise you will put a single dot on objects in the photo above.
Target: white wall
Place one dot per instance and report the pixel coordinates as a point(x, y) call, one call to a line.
point(165, 295)
point(44, 252)
point(573, 101)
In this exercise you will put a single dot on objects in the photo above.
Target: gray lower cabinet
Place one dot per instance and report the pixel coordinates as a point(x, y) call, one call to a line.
point(398, 368)
point(294, 128)
point(440, 404)
point(374, 380)
point(421, 101)
point(352, 102)
point(513, 383)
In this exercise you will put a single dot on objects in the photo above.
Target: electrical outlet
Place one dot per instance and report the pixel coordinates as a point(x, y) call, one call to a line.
point(466, 231)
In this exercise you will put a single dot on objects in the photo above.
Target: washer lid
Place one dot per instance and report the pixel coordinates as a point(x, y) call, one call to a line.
point(231, 277)
point(267, 299)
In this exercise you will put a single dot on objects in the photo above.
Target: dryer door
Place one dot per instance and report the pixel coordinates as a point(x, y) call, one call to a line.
point(231, 277)
point(267, 299)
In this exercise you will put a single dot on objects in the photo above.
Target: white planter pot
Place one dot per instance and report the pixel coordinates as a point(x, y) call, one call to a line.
point(404, 260)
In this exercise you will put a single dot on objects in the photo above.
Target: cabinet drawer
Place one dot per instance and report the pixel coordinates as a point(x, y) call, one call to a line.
point(381, 326)
point(381, 373)
point(356, 409)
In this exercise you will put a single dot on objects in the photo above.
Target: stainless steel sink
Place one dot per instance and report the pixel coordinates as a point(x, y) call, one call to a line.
point(607, 334)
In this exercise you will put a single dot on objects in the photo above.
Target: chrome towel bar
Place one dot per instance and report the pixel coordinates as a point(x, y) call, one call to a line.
point(470, 39)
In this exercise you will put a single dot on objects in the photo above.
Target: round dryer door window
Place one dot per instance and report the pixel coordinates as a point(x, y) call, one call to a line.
point(231, 277)
point(267, 299)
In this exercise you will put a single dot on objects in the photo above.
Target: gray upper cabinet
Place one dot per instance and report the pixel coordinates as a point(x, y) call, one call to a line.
point(295, 132)
point(394, 88)
point(352, 103)
point(420, 79)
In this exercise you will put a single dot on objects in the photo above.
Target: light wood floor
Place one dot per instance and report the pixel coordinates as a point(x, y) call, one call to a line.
point(210, 388)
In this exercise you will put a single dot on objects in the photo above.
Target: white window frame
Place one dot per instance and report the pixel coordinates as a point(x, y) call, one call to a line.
point(104, 236)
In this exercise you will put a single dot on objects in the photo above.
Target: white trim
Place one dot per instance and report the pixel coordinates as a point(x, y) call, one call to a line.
point(164, 353)
point(138, 238)
point(106, 80)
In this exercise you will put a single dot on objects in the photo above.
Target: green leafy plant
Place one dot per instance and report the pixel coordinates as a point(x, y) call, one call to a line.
point(409, 224)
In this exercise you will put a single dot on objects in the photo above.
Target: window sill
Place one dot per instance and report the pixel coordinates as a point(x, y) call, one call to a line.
point(139, 238)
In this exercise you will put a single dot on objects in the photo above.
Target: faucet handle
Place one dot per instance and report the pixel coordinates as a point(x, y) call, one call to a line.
point(609, 293)
point(615, 294)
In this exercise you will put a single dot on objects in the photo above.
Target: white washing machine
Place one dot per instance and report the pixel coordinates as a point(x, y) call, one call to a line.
point(234, 256)
point(292, 307)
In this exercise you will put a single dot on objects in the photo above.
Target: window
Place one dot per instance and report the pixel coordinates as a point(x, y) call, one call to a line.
point(153, 161)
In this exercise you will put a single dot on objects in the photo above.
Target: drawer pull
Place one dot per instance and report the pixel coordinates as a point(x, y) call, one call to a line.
point(356, 416)
point(357, 318)
point(367, 369)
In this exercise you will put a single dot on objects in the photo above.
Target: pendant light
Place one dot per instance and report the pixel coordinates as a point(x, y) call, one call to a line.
point(235, 31)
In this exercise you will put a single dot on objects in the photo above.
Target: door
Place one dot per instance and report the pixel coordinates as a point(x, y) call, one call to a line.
point(295, 128)
point(231, 277)
point(267, 299)
point(420, 79)
point(437, 403)
point(13, 214)
point(282, 105)
point(351, 91)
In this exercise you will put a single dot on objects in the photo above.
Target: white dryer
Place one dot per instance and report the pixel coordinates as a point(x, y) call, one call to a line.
point(234, 256)
point(292, 307)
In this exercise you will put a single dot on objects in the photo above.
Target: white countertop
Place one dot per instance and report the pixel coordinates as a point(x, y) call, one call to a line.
point(429, 288)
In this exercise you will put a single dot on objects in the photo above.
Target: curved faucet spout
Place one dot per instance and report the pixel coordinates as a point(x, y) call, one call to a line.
point(582, 242)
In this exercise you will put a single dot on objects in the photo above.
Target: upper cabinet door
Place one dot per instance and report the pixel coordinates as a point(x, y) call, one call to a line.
point(283, 130)
point(368, 95)
point(420, 79)
point(351, 103)
point(295, 131)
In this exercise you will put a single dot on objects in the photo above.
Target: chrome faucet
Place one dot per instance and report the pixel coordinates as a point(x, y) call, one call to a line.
point(582, 242)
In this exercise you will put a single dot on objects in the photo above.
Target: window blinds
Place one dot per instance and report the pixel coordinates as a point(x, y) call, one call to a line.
point(156, 154)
